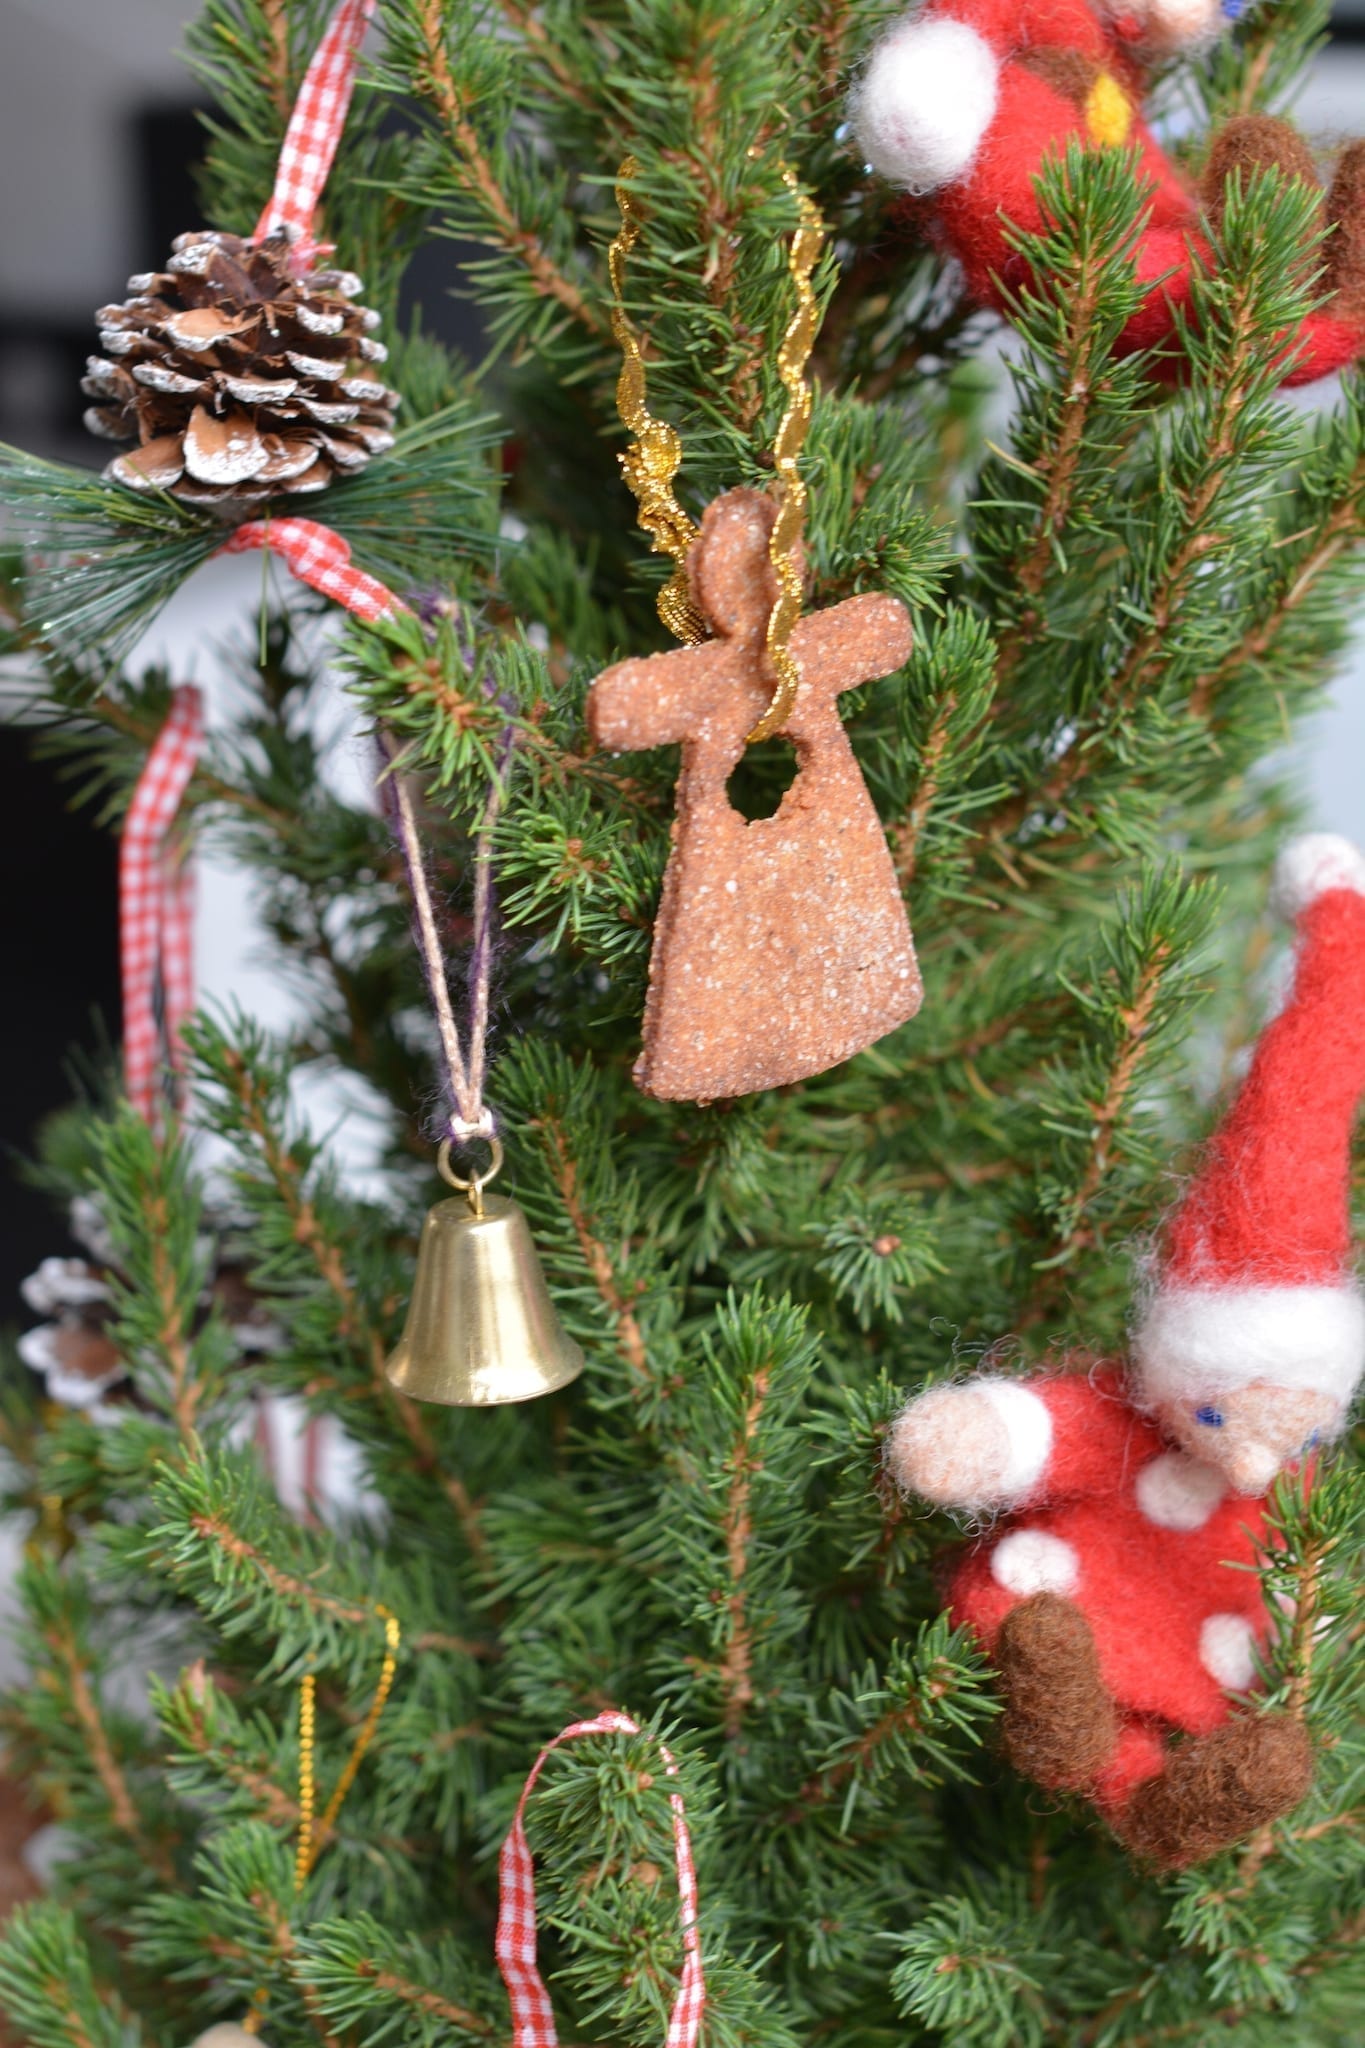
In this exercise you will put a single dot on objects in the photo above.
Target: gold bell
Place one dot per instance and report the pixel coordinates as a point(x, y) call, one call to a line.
point(481, 1328)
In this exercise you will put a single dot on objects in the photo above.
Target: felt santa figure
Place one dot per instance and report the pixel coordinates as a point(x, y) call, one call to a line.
point(1116, 1589)
point(963, 100)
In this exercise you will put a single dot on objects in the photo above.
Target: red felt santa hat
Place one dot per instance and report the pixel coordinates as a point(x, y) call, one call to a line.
point(1254, 1278)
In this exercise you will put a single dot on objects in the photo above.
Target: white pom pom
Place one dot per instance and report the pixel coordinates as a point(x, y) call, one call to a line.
point(1311, 865)
point(924, 102)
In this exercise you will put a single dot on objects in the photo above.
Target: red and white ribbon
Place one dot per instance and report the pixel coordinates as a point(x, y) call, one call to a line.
point(156, 909)
point(310, 141)
point(318, 557)
point(533, 2024)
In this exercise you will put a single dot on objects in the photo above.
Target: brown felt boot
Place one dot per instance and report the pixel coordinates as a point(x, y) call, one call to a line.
point(1060, 1726)
point(1218, 1789)
point(1345, 249)
point(1247, 143)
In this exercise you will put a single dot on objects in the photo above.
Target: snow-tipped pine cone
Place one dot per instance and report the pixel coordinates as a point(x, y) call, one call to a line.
point(239, 379)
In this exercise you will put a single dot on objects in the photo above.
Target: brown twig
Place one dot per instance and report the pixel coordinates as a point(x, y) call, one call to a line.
point(836, 18)
point(290, 1587)
point(906, 836)
point(273, 1802)
point(276, 14)
point(1149, 649)
point(437, 82)
point(1302, 1639)
point(1343, 528)
point(1058, 467)
point(822, 1785)
point(285, 1947)
point(1136, 1019)
point(424, 2001)
point(736, 1670)
point(172, 1336)
point(85, 1706)
point(527, 24)
point(620, 1305)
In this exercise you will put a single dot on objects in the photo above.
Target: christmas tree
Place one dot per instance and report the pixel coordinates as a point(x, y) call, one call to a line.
point(1126, 583)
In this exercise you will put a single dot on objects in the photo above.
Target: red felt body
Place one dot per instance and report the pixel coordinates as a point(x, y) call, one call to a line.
point(1145, 1590)
point(1033, 121)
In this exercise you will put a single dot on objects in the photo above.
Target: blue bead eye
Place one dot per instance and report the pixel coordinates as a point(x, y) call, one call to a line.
point(1314, 1440)
point(1233, 8)
point(1210, 1417)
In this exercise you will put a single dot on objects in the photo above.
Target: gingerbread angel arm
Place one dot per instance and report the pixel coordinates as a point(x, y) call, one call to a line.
point(853, 642)
point(996, 1444)
point(649, 702)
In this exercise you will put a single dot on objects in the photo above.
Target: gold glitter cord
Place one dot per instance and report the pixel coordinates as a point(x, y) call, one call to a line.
point(655, 455)
point(784, 545)
point(309, 1838)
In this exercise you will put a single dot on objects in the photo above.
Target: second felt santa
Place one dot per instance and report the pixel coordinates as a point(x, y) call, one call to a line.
point(1117, 1592)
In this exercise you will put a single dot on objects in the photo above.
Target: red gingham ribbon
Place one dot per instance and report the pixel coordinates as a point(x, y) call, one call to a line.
point(156, 907)
point(319, 557)
point(533, 2024)
point(315, 554)
point(310, 141)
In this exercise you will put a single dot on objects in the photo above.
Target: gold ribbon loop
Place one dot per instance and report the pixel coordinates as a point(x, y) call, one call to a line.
point(655, 456)
point(784, 543)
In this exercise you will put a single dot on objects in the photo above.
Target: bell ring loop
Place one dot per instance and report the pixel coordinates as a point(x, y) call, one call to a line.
point(477, 1182)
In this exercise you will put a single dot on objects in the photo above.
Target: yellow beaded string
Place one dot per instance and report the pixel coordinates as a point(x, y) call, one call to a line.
point(655, 455)
point(310, 1837)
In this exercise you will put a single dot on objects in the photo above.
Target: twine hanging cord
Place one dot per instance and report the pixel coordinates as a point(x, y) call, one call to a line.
point(472, 1118)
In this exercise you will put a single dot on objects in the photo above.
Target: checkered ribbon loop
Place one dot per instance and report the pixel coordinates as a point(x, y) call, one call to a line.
point(318, 557)
point(533, 2023)
point(310, 141)
point(156, 909)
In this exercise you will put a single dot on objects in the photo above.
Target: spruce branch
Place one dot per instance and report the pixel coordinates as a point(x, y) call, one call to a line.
point(48, 1986)
point(192, 1719)
point(1336, 530)
point(435, 81)
point(368, 1980)
point(618, 1302)
point(528, 24)
point(736, 1667)
point(906, 834)
point(73, 1664)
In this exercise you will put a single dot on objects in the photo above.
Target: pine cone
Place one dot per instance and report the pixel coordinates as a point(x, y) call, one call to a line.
point(239, 379)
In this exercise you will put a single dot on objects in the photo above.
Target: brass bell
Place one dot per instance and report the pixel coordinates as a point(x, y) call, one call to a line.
point(481, 1328)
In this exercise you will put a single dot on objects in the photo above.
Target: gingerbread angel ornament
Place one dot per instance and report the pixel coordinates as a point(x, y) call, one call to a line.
point(782, 944)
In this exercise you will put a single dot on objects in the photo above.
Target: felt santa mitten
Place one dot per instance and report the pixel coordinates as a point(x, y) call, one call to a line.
point(1116, 1589)
point(963, 100)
